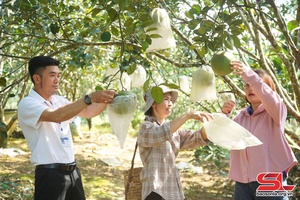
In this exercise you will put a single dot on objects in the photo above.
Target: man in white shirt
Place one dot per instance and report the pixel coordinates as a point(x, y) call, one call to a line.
point(44, 118)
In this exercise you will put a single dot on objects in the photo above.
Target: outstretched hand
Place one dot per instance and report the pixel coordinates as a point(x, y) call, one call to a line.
point(201, 116)
point(238, 67)
point(228, 106)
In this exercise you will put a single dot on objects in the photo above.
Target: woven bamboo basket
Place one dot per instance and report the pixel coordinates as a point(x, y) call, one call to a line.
point(132, 184)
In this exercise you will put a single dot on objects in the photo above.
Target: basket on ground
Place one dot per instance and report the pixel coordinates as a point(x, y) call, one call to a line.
point(132, 183)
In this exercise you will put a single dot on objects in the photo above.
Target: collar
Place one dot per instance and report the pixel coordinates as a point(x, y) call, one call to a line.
point(39, 98)
point(151, 119)
point(250, 110)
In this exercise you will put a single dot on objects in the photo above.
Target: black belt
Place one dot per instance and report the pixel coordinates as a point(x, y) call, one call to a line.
point(62, 167)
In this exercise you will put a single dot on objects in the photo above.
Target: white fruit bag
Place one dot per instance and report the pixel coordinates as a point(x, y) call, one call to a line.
point(162, 27)
point(228, 134)
point(120, 113)
point(138, 77)
point(184, 84)
point(124, 81)
point(203, 85)
point(227, 96)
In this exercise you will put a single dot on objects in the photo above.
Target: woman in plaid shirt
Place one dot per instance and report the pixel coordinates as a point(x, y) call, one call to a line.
point(159, 143)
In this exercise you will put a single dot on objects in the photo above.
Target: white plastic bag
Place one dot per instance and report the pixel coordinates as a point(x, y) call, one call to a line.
point(138, 77)
point(203, 85)
point(124, 82)
point(120, 113)
point(228, 134)
point(184, 84)
point(163, 28)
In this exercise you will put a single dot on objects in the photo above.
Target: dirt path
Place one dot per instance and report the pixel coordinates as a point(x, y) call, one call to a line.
point(99, 150)
point(102, 163)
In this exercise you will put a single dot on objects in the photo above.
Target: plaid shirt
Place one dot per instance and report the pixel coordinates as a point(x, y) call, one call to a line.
point(158, 149)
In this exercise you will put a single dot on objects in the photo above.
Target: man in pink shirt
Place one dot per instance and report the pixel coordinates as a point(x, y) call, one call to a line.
point(264, 118)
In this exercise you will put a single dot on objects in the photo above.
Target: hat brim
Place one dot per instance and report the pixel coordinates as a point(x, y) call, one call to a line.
point(149, 99)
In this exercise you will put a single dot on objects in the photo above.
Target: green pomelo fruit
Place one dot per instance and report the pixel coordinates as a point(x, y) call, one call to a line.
point(220, 63)
point(124, 102)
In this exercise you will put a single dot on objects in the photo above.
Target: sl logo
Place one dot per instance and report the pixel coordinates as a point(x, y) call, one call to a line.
point(272, 181)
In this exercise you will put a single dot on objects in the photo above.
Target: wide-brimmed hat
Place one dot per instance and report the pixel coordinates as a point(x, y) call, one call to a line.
point(149, 99)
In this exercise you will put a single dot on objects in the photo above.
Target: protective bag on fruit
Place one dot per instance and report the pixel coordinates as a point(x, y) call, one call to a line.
point(203, 85)
point(120, 113)
point(161, 27)
point(228, 134)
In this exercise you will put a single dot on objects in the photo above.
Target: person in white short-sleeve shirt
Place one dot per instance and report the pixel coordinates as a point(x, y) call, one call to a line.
point(44, 118)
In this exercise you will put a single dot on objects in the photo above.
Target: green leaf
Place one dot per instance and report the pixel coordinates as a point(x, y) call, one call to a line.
point(201, 31)
point(115, 31)
point(155, 36)
point(193, 24)
point(124, 66)
point(131, 69)
point(95, 11)
point(292, 25)
point(123, 4)
point(228, 42)
point(145, 45)
point(189, 15)
point(128, 22)
point(202, 51)
point(146, 85)
point(105, 36)
point(54, 28)
point(208, 24)
point(87, 20)
point(2, 125)
point(151, 29)
point(148, 39)
point(236, 41)
point(2, 82)
point(113, 14)
point(196, 9)
point(157, 94)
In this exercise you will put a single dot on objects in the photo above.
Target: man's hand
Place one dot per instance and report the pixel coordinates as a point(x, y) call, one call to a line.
point(103, 96)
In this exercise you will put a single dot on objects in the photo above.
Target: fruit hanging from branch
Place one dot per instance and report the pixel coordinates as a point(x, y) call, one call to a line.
point(120, 113)
point(160, 31)
point(203, 85)
point(220, 63)
point(138, 77)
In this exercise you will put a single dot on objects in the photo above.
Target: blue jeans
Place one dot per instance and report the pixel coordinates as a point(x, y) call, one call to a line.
point(247, 191)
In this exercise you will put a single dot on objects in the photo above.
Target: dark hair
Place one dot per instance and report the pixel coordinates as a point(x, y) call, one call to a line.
point(266, 78)
point(149, 112)
point(39, 63)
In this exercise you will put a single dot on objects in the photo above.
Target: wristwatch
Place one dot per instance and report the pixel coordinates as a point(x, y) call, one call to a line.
point(87, 100)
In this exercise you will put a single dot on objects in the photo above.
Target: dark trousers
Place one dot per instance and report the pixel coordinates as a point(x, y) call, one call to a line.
point(247, 191)
point(53, 184)
point(154, 196)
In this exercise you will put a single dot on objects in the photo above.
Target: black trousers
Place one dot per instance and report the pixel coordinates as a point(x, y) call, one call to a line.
point(53, 184)
point(154, 196)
